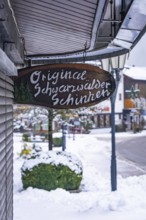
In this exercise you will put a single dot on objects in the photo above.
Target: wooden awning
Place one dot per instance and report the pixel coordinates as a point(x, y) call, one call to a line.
point(58, 31)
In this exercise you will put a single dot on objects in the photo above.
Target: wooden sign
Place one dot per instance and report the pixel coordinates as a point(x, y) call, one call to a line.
point(63, 86)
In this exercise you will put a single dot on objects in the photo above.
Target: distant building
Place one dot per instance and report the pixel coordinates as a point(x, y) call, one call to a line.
point(102, 111)
point(135, 96)
point(130, 100)
point(135, 88)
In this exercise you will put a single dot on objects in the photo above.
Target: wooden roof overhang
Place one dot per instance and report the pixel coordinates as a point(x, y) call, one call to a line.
point(58, 31)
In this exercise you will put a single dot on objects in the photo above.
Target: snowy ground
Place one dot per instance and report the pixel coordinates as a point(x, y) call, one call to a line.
point(95, 201)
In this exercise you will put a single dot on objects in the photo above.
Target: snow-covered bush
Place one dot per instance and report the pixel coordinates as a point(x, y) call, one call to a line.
point(52, 170)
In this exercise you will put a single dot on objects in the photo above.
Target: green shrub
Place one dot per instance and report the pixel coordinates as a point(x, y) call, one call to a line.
point(25, 137)
point(57, 141)
point(30, 152)
point(25, 152)
point(119, 128)
point(48, 174)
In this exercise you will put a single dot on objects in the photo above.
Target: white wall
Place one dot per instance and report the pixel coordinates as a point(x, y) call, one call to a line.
point(119, 104)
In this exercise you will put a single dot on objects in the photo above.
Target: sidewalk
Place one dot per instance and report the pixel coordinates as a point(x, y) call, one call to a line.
point(100, 131)
point(106, 132)
point(125, 168)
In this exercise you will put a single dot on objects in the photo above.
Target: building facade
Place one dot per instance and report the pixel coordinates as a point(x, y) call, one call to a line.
point(135, 98)
point(7, 69)
point(102, 111)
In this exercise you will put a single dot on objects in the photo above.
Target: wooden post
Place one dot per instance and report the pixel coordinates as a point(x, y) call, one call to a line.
point(50, 134)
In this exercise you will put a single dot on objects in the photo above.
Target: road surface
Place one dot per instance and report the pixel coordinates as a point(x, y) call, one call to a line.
point(134, 150)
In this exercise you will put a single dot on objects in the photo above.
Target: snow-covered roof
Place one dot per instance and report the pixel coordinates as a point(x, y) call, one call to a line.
point(137, 73)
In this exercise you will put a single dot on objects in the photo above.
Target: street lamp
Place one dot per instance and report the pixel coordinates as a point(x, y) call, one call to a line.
point(114, 65)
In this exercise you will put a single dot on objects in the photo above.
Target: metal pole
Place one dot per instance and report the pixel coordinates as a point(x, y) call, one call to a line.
point(113, 151)
point(50, 136)
point(73, 133)
point(63, 138)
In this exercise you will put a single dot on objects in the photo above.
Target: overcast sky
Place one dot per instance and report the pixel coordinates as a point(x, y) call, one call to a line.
point(137, 55)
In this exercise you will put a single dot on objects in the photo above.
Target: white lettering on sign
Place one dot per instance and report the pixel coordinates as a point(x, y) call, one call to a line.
point(65, 87)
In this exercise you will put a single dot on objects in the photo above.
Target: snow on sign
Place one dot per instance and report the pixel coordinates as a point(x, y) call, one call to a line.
point(63, 86)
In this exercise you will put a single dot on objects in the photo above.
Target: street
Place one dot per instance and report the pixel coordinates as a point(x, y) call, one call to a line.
point(133, 149)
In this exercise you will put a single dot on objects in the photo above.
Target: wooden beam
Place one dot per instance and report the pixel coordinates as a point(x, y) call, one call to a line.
point(11, 39)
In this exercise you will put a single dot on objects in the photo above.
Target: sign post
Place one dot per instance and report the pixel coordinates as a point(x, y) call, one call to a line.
point(63, 86)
